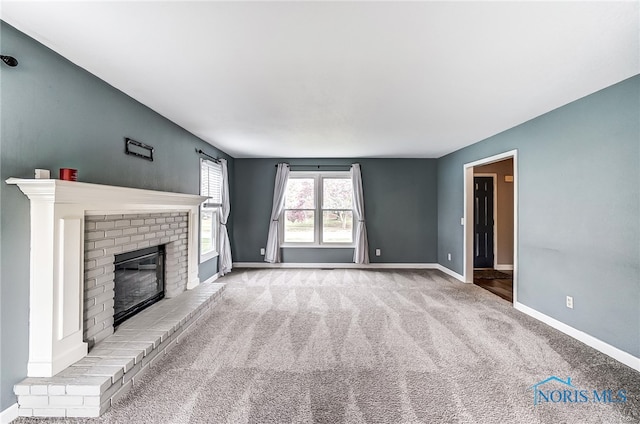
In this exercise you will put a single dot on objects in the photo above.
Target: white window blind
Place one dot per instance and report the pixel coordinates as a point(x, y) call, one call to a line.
point(210, 186)
point(211, 182)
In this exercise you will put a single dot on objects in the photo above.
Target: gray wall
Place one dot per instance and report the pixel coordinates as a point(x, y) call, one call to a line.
point(579, 213)
point(56, 115)
point(400, 209)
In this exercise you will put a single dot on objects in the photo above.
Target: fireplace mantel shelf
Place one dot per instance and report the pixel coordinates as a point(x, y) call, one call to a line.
point(58, 210)
point(102, 197)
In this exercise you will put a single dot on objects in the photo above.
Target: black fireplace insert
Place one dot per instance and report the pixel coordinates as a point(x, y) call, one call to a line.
point(139, 281)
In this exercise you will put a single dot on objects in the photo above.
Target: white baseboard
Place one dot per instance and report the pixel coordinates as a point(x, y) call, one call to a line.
point(504, 267)
point(597, 344)
point(450, 272)
point(9, 414)
point(192, 284)
point(350, 266)
point(211, 279)
point(341, 265)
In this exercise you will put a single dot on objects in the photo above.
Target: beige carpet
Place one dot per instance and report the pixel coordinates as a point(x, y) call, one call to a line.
point(351, 346)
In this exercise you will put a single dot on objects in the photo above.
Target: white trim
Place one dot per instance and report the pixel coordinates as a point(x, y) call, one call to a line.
point(101, 198)
point(211, 279)
point(617, 354)
point(317, 246)
point(494, 158)
point(208, 166)
point(516, 183)
point(504, 267)
point(467, 248)
point(208, 256)
point(57, 211)
point(493, 176)
point(9, 414)
point(318, 224)
point(451, 273)
point(467, 230)
point(349, 265)
point(340, 265)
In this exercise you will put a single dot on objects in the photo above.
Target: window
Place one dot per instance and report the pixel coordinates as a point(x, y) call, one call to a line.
point(210, 186)
point(318, 209)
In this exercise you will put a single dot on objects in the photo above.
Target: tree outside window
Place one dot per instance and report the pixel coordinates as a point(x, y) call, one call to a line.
point(318, 209)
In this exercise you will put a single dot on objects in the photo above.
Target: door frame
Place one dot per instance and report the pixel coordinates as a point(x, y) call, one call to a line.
point(467, 219)
point(494, 176)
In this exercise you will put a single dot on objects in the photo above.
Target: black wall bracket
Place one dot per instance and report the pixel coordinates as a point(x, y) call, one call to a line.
point(135, 148)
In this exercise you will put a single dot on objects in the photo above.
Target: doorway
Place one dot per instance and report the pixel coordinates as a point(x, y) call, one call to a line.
point(483, 220)
point(490, 224)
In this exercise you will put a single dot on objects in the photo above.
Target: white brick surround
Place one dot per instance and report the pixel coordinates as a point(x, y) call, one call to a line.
point(108, 235)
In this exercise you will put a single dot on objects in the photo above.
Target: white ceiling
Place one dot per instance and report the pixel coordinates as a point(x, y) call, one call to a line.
point(343, 79)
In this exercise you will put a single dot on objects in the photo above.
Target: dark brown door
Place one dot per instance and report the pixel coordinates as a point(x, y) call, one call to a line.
point(483, 222)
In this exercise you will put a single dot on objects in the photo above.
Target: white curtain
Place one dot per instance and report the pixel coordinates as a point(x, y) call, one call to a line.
point(272, 251)
point(225, 261)
point(361, 251)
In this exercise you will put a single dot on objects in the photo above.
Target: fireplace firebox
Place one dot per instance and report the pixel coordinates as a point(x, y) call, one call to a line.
point(139, 281)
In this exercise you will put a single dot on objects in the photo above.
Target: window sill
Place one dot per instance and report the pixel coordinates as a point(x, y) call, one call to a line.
point(317, 246)
point(208, 256)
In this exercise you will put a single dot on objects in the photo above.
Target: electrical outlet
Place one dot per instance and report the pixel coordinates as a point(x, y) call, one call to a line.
point(377, 252)
point(262, 251)
point(569, 302)
point(449, 256)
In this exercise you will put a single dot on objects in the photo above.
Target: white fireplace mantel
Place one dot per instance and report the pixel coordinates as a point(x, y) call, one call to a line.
point(58, 209)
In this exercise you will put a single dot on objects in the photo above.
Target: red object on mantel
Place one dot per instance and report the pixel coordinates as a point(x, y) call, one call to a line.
point(68, 174)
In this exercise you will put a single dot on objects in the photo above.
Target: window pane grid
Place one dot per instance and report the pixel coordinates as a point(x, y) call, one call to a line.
point(318, 209)
point(337, 226)
point(299, 226)
point(301, 194)
point(337, 193)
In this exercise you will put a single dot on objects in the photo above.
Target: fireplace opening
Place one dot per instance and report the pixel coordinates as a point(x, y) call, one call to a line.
point(139, 281)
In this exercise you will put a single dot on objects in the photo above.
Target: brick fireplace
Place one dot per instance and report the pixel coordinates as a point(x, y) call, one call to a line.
point(108, 235)
point(76, 229)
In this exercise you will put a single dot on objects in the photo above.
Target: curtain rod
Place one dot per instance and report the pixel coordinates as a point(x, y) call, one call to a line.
point(199, 151)
point(318, 166)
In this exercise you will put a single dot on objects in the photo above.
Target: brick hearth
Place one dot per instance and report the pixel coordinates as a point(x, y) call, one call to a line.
point(90, 386)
